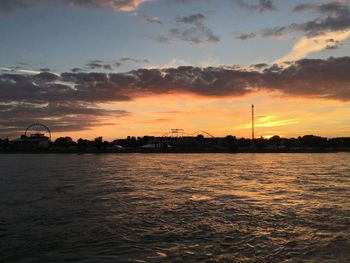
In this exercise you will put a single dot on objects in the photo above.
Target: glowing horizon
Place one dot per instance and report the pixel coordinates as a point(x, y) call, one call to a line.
point(142, 67)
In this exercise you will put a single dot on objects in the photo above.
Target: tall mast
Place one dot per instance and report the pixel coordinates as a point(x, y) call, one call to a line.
point(252, 121)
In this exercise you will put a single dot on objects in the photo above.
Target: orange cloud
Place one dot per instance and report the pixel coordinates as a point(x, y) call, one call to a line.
point(126, 6)
point(268, 122)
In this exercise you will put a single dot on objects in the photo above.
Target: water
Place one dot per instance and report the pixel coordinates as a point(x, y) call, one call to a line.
point(175, 208)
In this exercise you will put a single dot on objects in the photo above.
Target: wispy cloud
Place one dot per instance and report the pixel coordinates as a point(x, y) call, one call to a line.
point(148, 19)
point(23, 70)
point(268, 122)
point(118, 5)
point(110, 66)
point(190, 29)
point(134, 60)
point(333, 17)
point(307, 45)
point(261, 6)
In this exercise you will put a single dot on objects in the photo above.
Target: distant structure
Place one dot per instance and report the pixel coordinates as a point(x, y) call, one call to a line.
point(33, 141)
point(175, 133)
point(253, 135)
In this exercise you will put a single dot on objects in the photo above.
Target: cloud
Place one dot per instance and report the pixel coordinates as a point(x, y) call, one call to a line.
point(333, 17)
point(23, 70)
point(54, 110)
point(268, 121)
point(98, 64)
point(191, 19)
point(117, 5)
point(190, 29)
point(312, 78)
point(246, 36)
point(261, 6)
point(175, 63)
point(74, 98)
point(62, 116)
point(105, 66)
point(260, 66)
point(135, 60)
point(307, 45)
point(148, 19)
point(76, 70)
point(333, 23)
point(302, 76)
point(332, 8)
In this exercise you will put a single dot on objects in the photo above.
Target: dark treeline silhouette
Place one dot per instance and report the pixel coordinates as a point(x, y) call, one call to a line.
point(199, 143)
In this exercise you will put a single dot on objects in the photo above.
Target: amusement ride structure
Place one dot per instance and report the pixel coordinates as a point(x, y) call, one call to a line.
point(32, 131)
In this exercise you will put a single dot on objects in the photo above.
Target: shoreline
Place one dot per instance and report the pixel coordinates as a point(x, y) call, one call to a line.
point(128, 151)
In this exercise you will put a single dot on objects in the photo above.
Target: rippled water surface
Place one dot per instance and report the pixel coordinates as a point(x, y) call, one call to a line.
point(175, 208)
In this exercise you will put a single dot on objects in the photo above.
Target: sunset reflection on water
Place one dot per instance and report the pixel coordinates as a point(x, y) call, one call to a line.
point(175, 207)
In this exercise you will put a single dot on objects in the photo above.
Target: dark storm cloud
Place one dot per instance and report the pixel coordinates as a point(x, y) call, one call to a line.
point(261, 6)
point(190, 29)
point(76, 95)
point(334, 16)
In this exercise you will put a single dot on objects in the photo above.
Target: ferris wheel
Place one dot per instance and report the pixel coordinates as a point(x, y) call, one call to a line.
point(35, 127)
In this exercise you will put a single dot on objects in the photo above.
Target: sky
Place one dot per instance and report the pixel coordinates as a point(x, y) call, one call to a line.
point(117, 68)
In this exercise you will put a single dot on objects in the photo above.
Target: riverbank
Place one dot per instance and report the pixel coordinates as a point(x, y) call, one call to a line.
point(165, 151)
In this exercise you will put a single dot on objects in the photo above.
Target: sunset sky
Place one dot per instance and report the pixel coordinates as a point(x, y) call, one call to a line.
point(113, 68)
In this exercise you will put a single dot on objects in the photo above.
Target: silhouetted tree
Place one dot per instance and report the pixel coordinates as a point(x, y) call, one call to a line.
point(231, 143)
point(275, 140)
point(6, 144)
point(63, 141)
point(260, 143)
point(200, 138)
point(98, 142)
point(313, 141)
point(83, 142)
